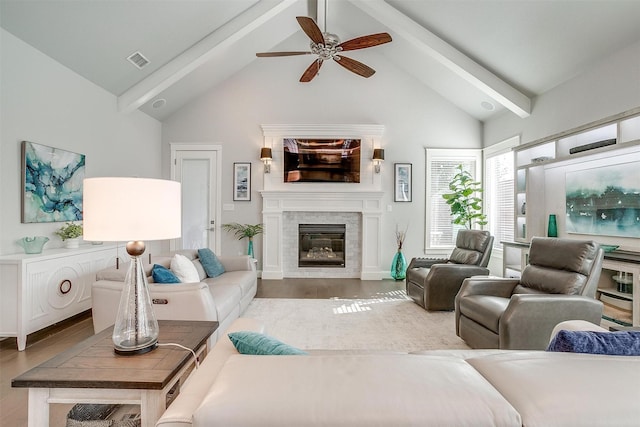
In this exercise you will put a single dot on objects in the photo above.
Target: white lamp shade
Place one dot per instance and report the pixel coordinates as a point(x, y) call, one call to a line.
point(127, 209)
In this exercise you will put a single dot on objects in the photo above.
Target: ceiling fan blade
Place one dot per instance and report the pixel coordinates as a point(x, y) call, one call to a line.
point(366, 41)
point(269, 54)
point(355, 66)
point(312, 71)
point(310, 28)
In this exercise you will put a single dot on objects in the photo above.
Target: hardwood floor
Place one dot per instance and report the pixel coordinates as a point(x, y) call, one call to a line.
point(325, 288)
point(47, 343)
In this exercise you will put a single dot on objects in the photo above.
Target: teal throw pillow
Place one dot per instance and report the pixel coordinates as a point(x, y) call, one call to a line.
point(162, 274)
point(210, 262)
point(247, 342)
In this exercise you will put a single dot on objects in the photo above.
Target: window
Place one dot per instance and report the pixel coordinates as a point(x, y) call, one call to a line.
point(441, 167)
point(499, 190)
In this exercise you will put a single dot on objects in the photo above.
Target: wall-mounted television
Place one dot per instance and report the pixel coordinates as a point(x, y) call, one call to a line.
point(321, 160)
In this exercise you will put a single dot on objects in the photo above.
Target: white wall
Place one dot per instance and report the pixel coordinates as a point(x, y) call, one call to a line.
point(46, 103)
point(268, 92)
point(609, 87)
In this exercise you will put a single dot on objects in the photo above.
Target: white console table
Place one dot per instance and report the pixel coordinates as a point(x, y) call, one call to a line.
point(38, 290)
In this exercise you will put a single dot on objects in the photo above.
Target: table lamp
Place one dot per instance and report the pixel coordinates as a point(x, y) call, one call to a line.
point(132, 210)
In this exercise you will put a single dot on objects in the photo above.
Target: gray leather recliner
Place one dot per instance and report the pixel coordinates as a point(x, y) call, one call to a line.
point(559, 284)
point(434, 283)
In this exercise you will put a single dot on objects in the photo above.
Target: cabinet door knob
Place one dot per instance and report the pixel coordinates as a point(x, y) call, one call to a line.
point(65, 286)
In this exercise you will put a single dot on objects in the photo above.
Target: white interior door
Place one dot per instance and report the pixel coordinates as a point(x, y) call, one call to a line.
point(198, 172)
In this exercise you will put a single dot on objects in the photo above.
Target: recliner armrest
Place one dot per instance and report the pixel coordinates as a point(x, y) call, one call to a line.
point(500, 287)
point(426, 262)
point(529, 319)
point(453, 274)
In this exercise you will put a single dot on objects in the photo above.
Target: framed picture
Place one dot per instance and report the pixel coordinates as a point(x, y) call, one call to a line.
point(604, 201)
point(51, 184)
point(402, 182)
point(242, 181)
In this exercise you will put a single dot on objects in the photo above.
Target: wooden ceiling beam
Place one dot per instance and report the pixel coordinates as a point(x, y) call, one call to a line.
point(201, 52)
point(450, 57)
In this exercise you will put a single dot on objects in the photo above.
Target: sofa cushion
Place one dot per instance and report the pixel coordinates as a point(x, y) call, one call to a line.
point(566, 389)
point(226, 296)
point(352, 390)
point(552, 281)
point(184, 269)
point(249, 342)
point(162, 274)
point(621, 343)
point(245, 280)
point(210, 262)
point(465, 256)
point(200, 269)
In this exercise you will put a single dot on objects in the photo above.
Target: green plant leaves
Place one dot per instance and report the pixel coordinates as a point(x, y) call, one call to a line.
point(243, 230)
point(465, 205)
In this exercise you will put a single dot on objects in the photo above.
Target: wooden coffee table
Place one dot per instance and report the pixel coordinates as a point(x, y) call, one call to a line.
point(90, 372)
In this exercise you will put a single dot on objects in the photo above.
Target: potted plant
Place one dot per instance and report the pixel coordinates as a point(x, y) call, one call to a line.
point(465, 204)
point(70, 234)
point(244, 230)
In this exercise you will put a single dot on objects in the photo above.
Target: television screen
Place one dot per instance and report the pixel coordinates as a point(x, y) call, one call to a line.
point(321, 160)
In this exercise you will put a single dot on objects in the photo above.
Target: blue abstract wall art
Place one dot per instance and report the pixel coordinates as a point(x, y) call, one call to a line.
point(52, 186)
point(604, 201)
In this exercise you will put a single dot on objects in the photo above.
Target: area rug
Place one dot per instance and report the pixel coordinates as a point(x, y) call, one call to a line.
point(388, 322)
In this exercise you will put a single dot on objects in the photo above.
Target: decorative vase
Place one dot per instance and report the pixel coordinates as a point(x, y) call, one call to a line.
point(552, 229)
point(72, 243)
point(33, 245)
point(399, 266)
point(250, 248)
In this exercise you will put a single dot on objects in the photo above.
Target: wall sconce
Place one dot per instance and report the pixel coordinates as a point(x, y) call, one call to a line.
point(265, 156)
point(378, 158)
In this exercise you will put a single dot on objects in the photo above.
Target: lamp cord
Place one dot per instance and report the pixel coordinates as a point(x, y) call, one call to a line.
point(195, 357)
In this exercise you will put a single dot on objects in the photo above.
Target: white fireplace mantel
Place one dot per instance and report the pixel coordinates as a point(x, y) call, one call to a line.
point(364, 197)
point(367, 203)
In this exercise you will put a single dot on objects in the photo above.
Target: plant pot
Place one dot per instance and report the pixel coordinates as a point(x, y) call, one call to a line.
point(250, 249)
point(72, 243)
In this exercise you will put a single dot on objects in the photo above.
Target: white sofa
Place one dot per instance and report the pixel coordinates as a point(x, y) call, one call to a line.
point(456, 387)
point(223, 298)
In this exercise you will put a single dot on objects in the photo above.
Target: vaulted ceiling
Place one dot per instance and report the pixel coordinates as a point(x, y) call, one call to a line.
point(483, 56)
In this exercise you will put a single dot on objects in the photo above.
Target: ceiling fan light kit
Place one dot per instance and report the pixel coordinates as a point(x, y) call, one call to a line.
point(327, 46)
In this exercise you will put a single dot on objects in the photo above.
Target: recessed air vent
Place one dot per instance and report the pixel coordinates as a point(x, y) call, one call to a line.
point(138, 60)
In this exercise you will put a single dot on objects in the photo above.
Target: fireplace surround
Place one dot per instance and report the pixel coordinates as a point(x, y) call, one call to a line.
point(358, 205)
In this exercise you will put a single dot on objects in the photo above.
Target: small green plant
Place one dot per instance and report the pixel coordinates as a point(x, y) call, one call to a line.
point(466, 206)
point(69, 231)
point(243, 230)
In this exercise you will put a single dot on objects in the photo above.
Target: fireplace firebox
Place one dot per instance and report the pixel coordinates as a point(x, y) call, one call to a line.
point(321, 245)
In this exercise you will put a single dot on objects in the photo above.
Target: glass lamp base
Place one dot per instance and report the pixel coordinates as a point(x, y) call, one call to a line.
point(136, 328)
point(128, 349)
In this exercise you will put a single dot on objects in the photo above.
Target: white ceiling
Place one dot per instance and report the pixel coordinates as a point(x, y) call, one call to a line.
point(502, 52)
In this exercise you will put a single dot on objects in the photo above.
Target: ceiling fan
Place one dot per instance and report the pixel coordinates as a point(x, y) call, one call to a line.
point(327, 46)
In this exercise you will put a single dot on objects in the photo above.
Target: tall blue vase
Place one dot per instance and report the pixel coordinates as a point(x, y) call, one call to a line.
point(399, 266)
point(552, 229)
point(250, 249)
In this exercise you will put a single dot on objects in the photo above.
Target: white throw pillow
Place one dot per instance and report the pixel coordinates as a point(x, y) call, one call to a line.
point(184, 269)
